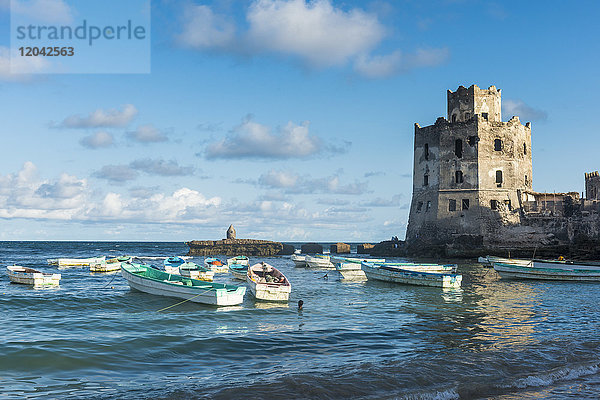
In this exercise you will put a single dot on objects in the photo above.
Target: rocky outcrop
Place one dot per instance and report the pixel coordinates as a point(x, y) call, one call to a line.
point(339, 248)
point(287, 250)
point(364, 248)
point(234, 247)
point(312, 248)
point(389, 248)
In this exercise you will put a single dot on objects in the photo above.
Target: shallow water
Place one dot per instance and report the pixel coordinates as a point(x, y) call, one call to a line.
point(95, 338)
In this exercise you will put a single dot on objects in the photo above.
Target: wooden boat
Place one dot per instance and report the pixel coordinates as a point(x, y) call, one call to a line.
point(416, 275)
point(490, 260)
point(239, 271)
point(76, 262)
point(550, 270)
point(30, 276)
point(195, 271)
point(149, 280)
point(349, 268)
point(238, 260)
point(299, 260)
point(320, 261)
point(215, 265)
point(268, 283)
point(172, 264)
point(111, 265)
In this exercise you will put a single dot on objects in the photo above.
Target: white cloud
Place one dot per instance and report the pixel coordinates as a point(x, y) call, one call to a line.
point(254, 140)
point(203, 29)
point(48, 11)
point(316, 31)
point(296, 184)
point(116, 173)
point(97, 140)
point(397, 62)
point(524, 111)
point(380, 202)
point(22, 67)
point(147, 134)
point(161, 167)
point(101, 118)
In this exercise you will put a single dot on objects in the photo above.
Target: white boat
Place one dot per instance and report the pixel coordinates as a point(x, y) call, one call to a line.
point(238, 260)
point(320, 261)
point(215, 265)
point(239, 271)
point(111, 265)
point(349, 267)
point(76, 262)
point(195, 271)
point(550, 270)
point(30, 276)
point(149, 280)
point(268, 283)
point(490, 260)
point(412, 276)
point(299, 260)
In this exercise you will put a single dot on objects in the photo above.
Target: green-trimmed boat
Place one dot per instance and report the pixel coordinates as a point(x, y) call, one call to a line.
point(146, 279)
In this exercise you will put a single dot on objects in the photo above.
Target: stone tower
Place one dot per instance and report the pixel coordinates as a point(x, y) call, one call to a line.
point(231, 232)
point(592, 186)
point(469, 170)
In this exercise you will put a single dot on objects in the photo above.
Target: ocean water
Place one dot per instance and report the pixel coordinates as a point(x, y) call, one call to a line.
point(95, 338)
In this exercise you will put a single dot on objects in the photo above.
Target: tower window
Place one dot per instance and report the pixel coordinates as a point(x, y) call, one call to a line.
point(451, 205)
point(425, 180)
point(497, 144)
point(453, 117)
point(494, 204)
point(458, 148)
point(428, 206)
point(419, 206)
point(524, 148)
point(465, 204)
point(484, 115)
point(526, 181)
point(499, 178)
point(426, 151)
point(458, 175)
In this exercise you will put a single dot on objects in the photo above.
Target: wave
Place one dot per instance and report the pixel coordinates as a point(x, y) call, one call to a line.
point(552, 377)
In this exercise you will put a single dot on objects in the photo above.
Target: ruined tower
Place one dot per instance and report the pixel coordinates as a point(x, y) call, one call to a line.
point(592, 186)
point(469, 170)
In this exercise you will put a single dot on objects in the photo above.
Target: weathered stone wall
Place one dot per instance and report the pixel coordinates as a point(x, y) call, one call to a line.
point(311, 248)
point(339, 248)
point(364, 248)
point(234, 247)
point(592, 186)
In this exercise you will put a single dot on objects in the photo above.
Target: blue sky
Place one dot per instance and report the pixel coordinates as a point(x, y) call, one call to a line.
point(292, 120)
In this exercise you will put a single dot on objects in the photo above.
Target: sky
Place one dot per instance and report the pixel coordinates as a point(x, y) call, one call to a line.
point(293, 120)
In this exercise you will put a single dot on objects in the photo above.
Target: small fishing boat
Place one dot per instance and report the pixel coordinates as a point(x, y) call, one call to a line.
point(490, 260)
point(320, 261)
point(149, 280)
point(195, 271)
point(172, 264)
point(349, 268)
point(299, 260)
point(215, 265)
point(550, 270)
point(414, 274)
point(30, 276)
point(268, 283)
point(111, 265)
point(76, 262)
point(238, 260)
point(239, 271)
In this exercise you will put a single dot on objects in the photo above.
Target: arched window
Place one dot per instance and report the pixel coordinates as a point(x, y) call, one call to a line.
point(458, 177)
point(453, 117)
point(499, 177)
point(458, 148)
point(498, 145)
point(524, 149)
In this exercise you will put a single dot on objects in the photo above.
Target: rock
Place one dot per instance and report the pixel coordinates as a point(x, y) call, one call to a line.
point(312, 248)
point(234, 247)
point(287, 250)
point(231, 232)
point(389, 248)
point(339, 248)
point(364, 248)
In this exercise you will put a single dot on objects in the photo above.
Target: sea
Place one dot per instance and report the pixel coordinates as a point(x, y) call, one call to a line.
point(95, 338)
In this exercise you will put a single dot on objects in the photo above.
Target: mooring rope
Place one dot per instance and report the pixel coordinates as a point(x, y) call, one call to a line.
point(181, 302)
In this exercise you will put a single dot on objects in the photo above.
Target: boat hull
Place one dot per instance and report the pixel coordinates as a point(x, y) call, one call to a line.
point(197, 292)
point(241, 260)
point(298, 260)
point(28, 276)
point(77, 262)
point(349, 268)
point(549, 271)
point(411, 277)
point(267, 291)
point(319, 262)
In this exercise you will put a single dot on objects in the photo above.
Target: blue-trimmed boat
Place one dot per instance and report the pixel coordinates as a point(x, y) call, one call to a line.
point(239, 271)
point(414, 274)
point(215, 264)
point(550, 270)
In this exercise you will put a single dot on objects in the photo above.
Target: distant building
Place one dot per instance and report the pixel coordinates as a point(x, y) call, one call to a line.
point(472, 184)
